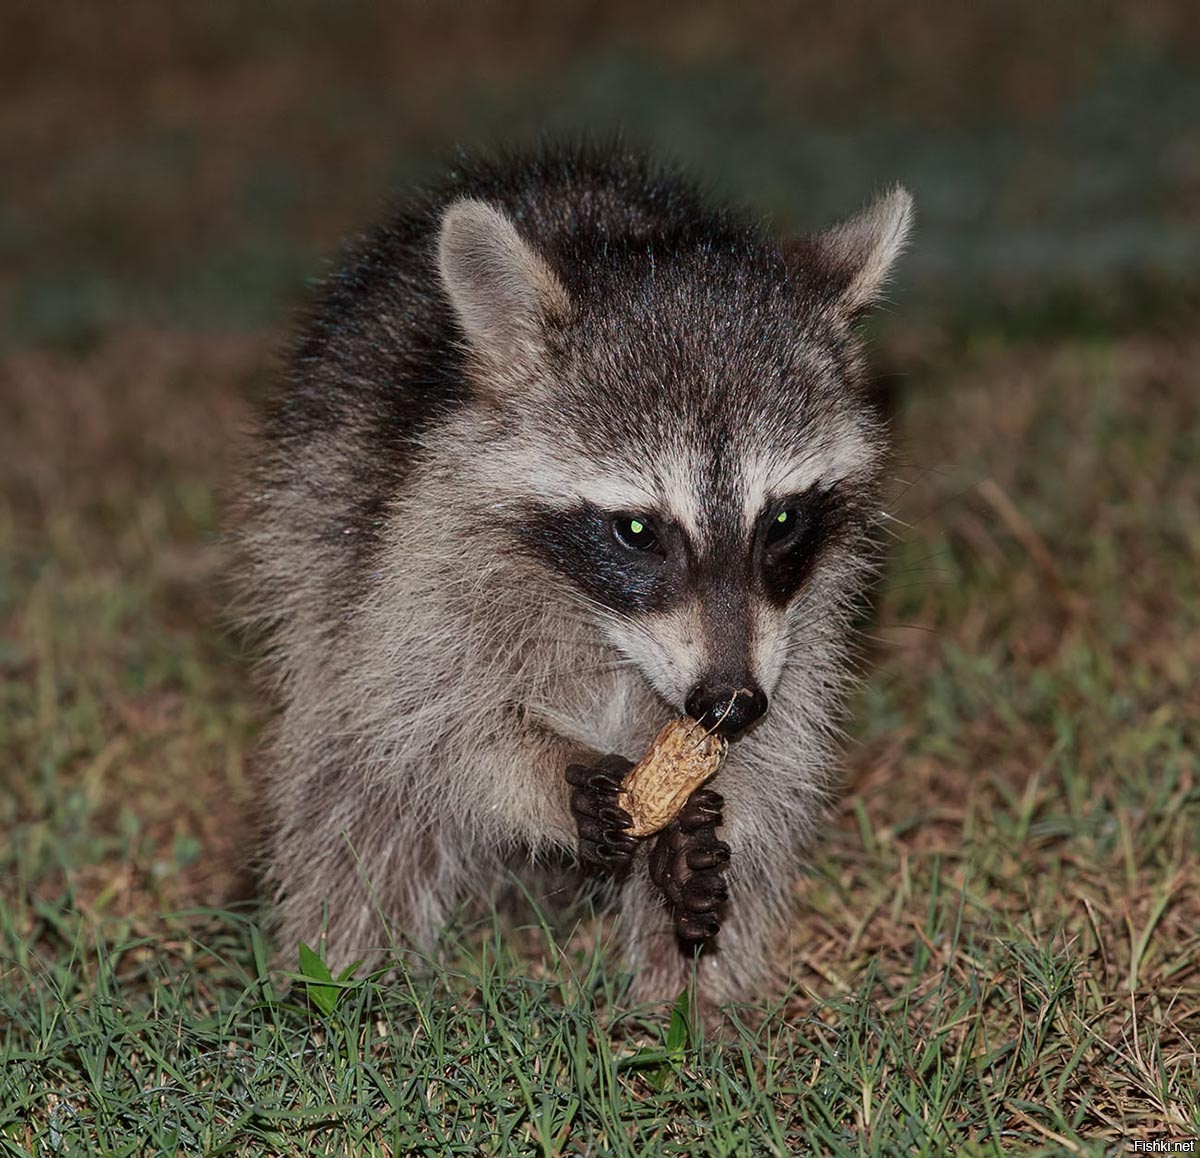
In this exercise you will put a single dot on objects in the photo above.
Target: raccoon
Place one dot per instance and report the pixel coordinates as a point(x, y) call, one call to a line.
point(565, 449)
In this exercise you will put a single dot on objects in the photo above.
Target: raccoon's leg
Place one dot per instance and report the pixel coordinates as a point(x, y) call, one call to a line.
point(552, 790)
point(674, 909)
point(604, 845)
point(355, 864)
point(727, 967)
point(688, 863)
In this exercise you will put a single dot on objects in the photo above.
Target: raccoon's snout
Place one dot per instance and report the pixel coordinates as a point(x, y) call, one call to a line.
point(725, 709)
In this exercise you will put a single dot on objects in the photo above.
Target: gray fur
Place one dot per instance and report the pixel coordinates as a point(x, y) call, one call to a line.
point(603, 337)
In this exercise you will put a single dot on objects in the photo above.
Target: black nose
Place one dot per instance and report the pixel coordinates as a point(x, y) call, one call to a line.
point(725, 709)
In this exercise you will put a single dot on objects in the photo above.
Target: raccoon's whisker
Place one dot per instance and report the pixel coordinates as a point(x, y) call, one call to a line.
point(922, 473)
point(552, 673)
point(802, 625)
point(543, 623)
point(883, 639)
point(921, 577)
point(939, 553)
point(599, 609)
point(887, 516)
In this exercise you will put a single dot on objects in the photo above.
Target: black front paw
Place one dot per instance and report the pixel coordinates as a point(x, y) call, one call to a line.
point(688, 863)
point(604, 845)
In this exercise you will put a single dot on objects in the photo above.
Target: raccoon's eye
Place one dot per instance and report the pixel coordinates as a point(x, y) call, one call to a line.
point(782, 528)
point(635, 532)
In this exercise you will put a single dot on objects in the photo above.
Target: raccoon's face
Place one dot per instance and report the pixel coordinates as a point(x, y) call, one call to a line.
point(689, 448)
point(711, 621)
point(717, 542)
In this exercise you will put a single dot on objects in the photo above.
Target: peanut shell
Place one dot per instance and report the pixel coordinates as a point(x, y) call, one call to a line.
point(681, 758)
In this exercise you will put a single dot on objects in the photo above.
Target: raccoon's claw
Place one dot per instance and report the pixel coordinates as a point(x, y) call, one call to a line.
point(702, 807)
point(604, 845)
point(688, 863)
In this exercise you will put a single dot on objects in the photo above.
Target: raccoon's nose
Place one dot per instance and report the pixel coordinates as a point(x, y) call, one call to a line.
point(725, 709)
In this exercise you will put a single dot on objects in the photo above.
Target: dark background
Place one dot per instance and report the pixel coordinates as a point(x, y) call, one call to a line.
point(190, 164)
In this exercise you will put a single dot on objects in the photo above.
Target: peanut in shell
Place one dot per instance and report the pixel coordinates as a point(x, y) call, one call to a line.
point(681, 758)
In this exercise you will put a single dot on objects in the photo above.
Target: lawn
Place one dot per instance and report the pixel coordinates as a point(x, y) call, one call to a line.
point(997, 948)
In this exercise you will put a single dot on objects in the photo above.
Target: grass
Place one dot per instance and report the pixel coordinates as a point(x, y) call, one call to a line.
point(997, 947)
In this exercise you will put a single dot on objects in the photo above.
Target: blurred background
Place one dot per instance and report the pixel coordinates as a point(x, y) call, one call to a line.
point(173, 174)
point(190, 164)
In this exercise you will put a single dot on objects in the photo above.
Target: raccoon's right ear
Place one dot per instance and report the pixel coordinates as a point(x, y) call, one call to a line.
point(502, 290)
point(853, 259)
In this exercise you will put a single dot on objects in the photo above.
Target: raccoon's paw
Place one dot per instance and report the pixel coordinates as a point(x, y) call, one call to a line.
point(688, 863)
point(604, 845)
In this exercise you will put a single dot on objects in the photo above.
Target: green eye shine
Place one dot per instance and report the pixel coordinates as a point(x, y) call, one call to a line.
point(634, 533)
point(779, 530)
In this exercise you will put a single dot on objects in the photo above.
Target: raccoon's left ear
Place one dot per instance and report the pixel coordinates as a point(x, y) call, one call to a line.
point(502, 290)
point(856, 255)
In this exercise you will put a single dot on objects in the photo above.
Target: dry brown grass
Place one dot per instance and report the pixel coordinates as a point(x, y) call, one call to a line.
point(111, 468)
point(1011, 881)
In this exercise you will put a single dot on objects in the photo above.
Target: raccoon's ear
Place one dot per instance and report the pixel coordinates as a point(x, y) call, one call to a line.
point(856, 255)
point(502, 290)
